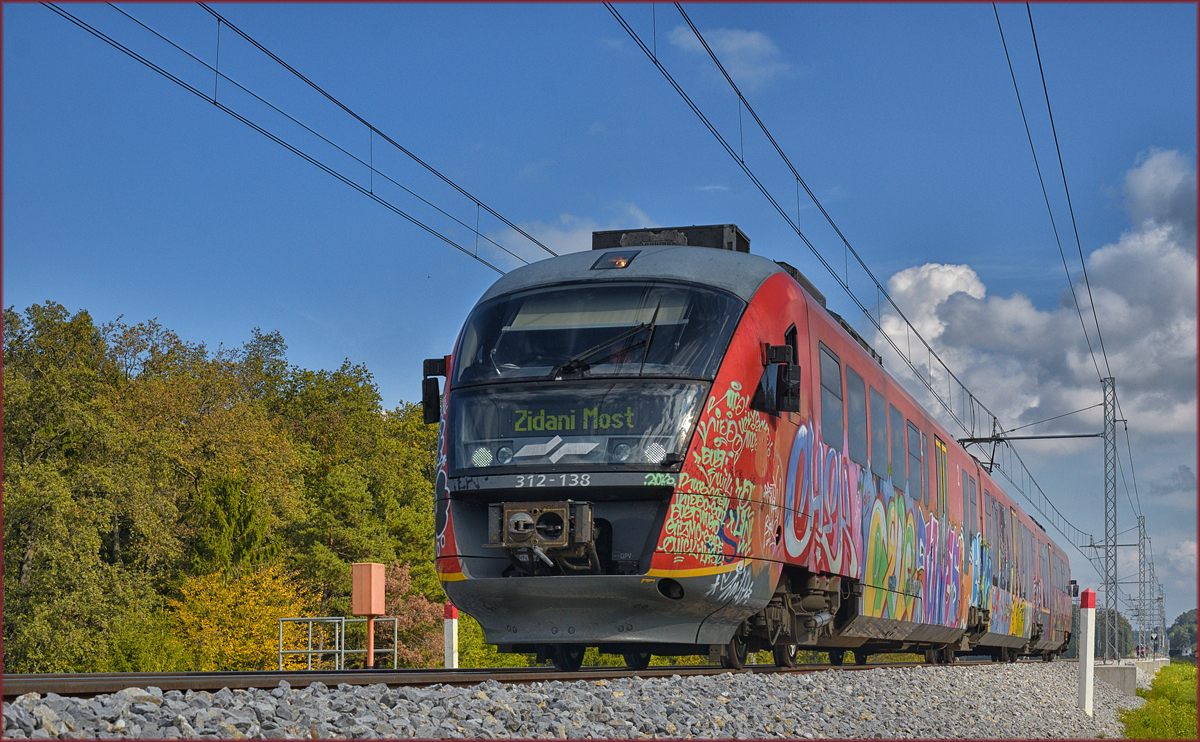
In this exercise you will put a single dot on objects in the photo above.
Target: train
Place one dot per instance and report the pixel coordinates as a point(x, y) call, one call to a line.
point(670, 446)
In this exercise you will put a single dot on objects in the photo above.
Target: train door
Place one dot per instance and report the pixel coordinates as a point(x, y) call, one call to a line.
point(942, 488)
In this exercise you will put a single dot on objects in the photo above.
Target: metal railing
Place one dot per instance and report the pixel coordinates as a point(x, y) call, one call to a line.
point(339, 650)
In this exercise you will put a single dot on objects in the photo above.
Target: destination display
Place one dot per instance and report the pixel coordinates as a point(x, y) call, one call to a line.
point(573, 423)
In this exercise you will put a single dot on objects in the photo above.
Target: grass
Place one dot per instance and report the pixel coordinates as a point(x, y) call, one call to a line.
point(1170, 708)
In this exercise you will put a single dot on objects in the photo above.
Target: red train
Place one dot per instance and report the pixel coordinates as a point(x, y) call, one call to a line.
point(670, 446)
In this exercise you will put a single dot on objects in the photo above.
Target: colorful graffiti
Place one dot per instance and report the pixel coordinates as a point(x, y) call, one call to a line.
point(823, 500)
point(711, 518)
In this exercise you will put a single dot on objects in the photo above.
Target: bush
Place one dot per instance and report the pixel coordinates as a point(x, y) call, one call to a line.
point(230, 620)
point(1170, 708)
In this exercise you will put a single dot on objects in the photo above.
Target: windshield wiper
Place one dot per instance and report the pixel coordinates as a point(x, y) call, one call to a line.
point(578, 362)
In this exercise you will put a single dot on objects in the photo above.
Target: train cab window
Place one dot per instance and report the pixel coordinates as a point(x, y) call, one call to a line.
point(974, 520)
point(879, 452)
point(915, 469)
point(831, 399)
point(607, 328)
point(856, 410)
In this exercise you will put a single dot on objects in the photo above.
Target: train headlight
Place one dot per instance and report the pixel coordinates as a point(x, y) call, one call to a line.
point(504, 455)
point(481, 456)
point(622, 451)
point(655, 452)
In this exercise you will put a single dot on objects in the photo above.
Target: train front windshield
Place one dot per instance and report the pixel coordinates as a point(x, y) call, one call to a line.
point(615, 372)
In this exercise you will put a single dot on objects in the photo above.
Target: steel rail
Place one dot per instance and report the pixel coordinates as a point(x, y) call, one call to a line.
point(90, 684)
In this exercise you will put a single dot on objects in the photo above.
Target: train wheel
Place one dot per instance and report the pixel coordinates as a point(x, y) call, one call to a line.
point(785, 655)
point(637, 660)
point(735, 653)
point(567, 657)
point(860, 657)
point(1047, 656)
point(836, 656)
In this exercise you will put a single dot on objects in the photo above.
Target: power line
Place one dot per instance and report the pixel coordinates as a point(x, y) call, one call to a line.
point(1056, 417)
point(323, 138)
point(374, 130)
point(1077, 537)
point(1132, 472)
point(134, 55)
point(1045, 195)
point(1067, 190)
point(795, 227)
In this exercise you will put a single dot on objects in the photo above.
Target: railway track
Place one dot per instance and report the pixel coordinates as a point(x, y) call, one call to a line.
point(89, 684)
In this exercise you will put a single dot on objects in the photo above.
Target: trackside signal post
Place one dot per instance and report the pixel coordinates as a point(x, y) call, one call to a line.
point(1087, 648)
point(367, 599)
point(451, 626)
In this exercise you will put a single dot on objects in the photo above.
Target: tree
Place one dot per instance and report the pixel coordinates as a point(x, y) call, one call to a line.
point(1125, 640)
point(231, 621)
point(231, 531)
point(136, 463)
point(419, 621)
point(1183, 631)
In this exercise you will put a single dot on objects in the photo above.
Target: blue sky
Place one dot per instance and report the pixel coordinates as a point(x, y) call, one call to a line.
point(124, 194)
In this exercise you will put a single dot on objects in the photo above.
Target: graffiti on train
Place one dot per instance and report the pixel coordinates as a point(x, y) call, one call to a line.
point(823, 498)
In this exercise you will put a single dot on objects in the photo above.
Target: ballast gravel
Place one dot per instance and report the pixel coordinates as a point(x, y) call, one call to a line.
point(996, 701)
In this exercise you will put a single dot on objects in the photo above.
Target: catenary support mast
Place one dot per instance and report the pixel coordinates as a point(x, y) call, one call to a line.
point(1110, 519)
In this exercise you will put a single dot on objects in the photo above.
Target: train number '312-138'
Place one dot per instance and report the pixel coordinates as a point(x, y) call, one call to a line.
point(554, 480)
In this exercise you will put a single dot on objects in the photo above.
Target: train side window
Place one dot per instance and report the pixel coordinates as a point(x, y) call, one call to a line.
point(940, 472)
point(897, 428)
point(879, 453)
point(856, 411)
point(974, 521)
point(966, 509)
point(831, 399)
point(914, 462)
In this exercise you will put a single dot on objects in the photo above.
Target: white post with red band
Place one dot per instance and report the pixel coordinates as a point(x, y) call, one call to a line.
point(451, 623)
point(1087, 648)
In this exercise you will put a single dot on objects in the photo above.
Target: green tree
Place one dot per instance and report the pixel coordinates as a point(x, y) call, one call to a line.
point(135, 462)
point(1183, 631)
point(231, 531)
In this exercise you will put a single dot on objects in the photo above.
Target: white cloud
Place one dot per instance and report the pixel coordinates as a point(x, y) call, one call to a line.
point(1029, 364)
point(1182, 556)
point(750, 57)
point(1158, 189)
point(712, 188)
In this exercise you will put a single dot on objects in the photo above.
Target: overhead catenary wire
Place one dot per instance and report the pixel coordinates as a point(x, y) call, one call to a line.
point(795, 226)
point(369, 125)
point(1067, 190)
point(278, 140)
point(1061, 523)
point(1045, 195)
point(1056, 417)
point(322, 137)
point(1073, 534)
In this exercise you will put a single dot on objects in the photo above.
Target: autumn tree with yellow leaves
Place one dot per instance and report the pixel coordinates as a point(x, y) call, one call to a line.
point(229, 620)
